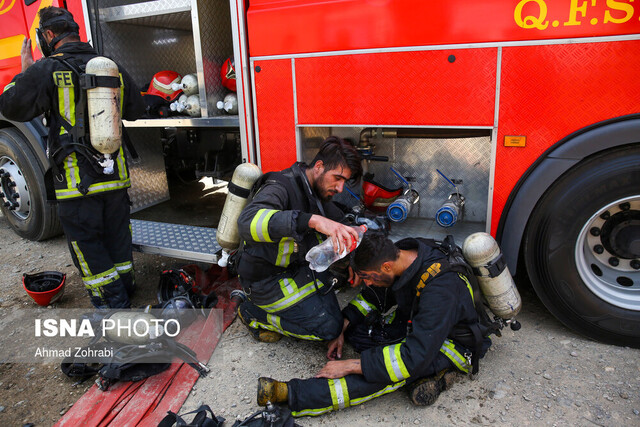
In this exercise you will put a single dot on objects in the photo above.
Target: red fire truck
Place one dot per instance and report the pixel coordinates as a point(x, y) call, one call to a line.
point(530, 108)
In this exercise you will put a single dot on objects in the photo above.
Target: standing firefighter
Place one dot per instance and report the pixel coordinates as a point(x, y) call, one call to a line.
point(290, 213)
point(90, 185)
point(422, 344)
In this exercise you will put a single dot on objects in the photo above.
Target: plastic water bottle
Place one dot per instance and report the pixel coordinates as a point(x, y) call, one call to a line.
point(321, 256)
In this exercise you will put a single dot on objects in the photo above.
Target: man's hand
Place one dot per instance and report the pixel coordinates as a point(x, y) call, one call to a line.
point(340, 368)
point(335, 348)
point(335, 345)
point(354, 279)
point(26, 56)
point(341, 235)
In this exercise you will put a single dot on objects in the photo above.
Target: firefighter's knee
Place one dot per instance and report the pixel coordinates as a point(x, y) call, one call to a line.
point(332, 328)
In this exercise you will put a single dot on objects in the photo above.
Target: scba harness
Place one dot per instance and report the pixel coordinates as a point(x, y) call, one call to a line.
point(469, 335)
point(75, 120)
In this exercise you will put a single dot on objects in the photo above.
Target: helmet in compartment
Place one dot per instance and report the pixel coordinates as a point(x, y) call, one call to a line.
point(228, 74)
point(160, 94)
point(161, 85)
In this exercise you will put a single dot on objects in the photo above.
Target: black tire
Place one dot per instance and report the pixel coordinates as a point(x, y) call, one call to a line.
point(578, 226)
point(32, 217)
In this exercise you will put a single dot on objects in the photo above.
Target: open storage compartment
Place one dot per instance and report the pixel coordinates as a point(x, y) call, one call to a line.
point(462, 155)
point(185, 36)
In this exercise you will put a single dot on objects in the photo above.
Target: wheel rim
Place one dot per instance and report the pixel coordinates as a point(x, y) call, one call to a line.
point(608, 253)
point(15, 194)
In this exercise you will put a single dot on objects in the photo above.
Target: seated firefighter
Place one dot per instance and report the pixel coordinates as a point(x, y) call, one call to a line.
point(422, 345)
point(290, 212)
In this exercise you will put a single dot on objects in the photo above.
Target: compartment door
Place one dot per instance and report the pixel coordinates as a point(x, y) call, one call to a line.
point(275, 113)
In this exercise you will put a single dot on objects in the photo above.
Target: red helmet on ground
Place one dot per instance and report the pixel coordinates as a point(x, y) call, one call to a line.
point(45, 288)
point(228, 74)
point(161, 85)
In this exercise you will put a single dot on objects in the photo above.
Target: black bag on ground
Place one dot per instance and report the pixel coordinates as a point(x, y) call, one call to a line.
point(129, 362)
point(202, 419)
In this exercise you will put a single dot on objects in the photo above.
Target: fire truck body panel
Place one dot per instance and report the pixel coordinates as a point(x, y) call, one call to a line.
point(301, 26)
point(553, 84)
point(531, 108)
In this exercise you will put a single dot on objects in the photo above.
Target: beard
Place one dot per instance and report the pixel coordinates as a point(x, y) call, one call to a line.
point(320, 189)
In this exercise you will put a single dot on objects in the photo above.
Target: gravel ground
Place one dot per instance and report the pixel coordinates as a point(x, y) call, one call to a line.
point(543, 374)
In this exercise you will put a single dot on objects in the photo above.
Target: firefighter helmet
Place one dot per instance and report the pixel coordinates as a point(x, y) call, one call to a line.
point(45, 288)
point(228, 74)
point(161, 85)
point(376, 196)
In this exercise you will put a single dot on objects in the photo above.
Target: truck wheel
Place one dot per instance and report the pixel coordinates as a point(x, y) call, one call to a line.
point(582, 247)
point(22, 190)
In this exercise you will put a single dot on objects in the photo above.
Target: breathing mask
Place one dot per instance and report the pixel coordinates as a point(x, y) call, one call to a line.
point(72, 29)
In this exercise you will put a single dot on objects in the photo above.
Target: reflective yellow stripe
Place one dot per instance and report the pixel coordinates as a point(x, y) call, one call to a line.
point(9, 86)
point(345, 393)
point(67, 106)
point(275, 326)
point(260, 225)
point(341, 384)
point(99, 187)
point(388, 389)
point(292, 299)
point(101, 279)
point(71, 172)
point(465, 280)
point(334, 396)
point(362, 305)
point(393, 362)
point(84, 267)
point(95, 283)
point(389, 319)
point(288, 286)
point(311, 412)
point(449, 350)
point(124, 267)
point(122, 165)
point(285, 249)
point(400, 363)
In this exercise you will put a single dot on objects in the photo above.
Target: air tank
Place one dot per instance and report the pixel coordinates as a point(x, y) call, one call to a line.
point(245, 175)
point(103, 104)
point(229, 104)
point(483, 254)
point(188, 85)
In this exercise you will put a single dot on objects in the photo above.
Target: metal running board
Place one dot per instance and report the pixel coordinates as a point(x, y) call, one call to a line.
point(175, 240)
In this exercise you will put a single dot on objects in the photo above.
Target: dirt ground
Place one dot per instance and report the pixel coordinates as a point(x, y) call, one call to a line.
point(543, 374)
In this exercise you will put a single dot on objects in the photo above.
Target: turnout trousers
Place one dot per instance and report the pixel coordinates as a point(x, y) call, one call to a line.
point(296, 304)
point(98, 231)
point(317, 396)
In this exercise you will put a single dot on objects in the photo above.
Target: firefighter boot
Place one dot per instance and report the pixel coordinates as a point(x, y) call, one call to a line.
point(261, 335)
point(270, 390)
point(425, 391)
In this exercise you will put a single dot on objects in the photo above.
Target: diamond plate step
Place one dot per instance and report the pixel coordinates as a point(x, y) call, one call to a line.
point(175, 240)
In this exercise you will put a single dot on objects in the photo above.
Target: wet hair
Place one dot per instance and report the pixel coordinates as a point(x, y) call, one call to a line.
point(336, 152)
point(374, 250)
point(58, 20)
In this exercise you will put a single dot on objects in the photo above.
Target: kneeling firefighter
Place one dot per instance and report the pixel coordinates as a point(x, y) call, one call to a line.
point(83, 105)
point(439, 328)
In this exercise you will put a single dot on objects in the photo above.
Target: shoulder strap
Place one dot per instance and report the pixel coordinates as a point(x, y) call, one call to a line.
point(77, 131)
